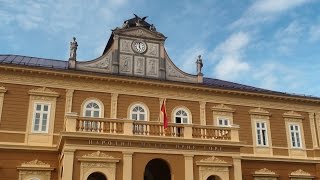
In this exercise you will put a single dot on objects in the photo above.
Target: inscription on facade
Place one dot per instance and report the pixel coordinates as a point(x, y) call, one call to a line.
point(154, 145)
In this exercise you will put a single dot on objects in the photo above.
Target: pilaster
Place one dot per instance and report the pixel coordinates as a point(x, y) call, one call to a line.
point(67, 161)
point(203, 120)
point(127, 165)
point(2, 91)
point(114, 105)
point(237, 168)
point(69, 97)
point(188, 167)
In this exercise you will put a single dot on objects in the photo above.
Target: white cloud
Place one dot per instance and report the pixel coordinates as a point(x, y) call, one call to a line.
point(266, 10)
point(286, 38)
point(277, 76)
point(229, 55)
point(314, 33)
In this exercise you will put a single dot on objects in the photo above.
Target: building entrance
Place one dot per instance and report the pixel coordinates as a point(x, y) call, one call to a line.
point(213, 178)
point(157, 169)
point(97, 176)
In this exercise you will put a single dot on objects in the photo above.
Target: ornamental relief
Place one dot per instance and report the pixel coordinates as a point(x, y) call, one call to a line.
point(259, 111)
point(43, 91)
point(125, 45)
point(139, 33)
point(139, 65)
point(153, 50)
point(292, 114)
point(152, 67)
point(300, 172)
point(104, 63)
point(97, 165)
point(222, 107)
point(126, 64)
point(265, 171)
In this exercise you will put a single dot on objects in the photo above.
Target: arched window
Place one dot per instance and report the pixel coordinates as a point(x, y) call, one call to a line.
point(92, 108)
point(181, 116)
point(138, 112)
point(33, 178)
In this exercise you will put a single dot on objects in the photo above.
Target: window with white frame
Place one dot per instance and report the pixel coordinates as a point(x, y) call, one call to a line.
point(295, 135)
point(138, 112)
point(261, 133)
point(223, 121)
point(41, 118)
point(181, 116)
point(92, 109)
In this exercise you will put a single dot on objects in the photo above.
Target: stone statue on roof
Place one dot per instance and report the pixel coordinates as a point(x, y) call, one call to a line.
point(199, 65)
point(73, 49)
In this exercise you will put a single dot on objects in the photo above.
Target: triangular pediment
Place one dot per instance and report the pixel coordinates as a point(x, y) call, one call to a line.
point(140, 32)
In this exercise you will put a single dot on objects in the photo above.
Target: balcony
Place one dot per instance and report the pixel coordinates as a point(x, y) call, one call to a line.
point(74, 123)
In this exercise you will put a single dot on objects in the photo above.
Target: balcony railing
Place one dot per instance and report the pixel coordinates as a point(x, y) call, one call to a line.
point(74, 123)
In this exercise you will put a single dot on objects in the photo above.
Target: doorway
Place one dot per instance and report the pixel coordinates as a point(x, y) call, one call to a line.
point(213, 178)
point(97, 176)
point(157, 169)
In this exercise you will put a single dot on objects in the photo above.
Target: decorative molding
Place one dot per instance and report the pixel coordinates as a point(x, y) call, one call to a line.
point(203, 120)
point(97, 154)
point(259, 111)
point(300, 172)
point(222, 108)
point(43, 92)
point(292, 114)
point(35, 163)
point(213, 159)
point(264, 171)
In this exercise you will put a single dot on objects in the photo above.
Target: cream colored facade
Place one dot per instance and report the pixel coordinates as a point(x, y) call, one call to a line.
point(100, 119)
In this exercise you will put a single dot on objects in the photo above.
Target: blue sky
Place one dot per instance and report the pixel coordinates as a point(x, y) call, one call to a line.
point(273, 44)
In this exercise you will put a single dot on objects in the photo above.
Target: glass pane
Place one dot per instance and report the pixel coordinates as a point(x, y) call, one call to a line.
point(45, 108)
point(220, 121)
point(141, 110)
point(226, 122)
point(95, 106)
point(135, 109)
point(96, 114)
point(134, 116)
point(141, 117)
point(178, 113)
point(38, 107)
point(185, 120)
point(36, 124)
point(89, 105)
point(43, 127)
point(291, 127)
point(88, 113)
point(44, 116)
point(262, 125)
point(258, 125)
point(296, 127)
point(184, 113)
point(38, 115)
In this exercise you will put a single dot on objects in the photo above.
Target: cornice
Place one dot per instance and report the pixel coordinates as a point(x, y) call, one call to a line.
point(259, 111)
point(3, 89)
point(222, 108)
point(43, 92)
point(292, 114)
point(151, 82)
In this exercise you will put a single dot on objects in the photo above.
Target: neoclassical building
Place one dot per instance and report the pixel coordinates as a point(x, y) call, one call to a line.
point(99, 119)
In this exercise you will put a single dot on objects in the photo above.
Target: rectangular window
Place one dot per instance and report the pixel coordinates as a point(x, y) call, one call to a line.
point(295, 135)
point(223, 122)
point(261, 132)
point(41, 118)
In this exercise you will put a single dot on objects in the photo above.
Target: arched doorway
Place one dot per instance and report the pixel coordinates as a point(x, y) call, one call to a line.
point(157, 169)
point(213, 178)
point(97, 176)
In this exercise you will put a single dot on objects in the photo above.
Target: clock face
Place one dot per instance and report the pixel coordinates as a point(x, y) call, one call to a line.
point(139, 46)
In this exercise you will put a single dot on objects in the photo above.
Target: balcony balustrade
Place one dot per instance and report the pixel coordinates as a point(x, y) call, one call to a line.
point(74, 123)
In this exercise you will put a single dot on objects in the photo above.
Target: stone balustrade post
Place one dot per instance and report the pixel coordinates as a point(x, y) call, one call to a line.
point(128, 127)
point(71, 122)
point(235, 133)
point(187, 131)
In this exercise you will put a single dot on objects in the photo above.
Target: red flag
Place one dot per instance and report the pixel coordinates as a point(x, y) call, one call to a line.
point(164, 115)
